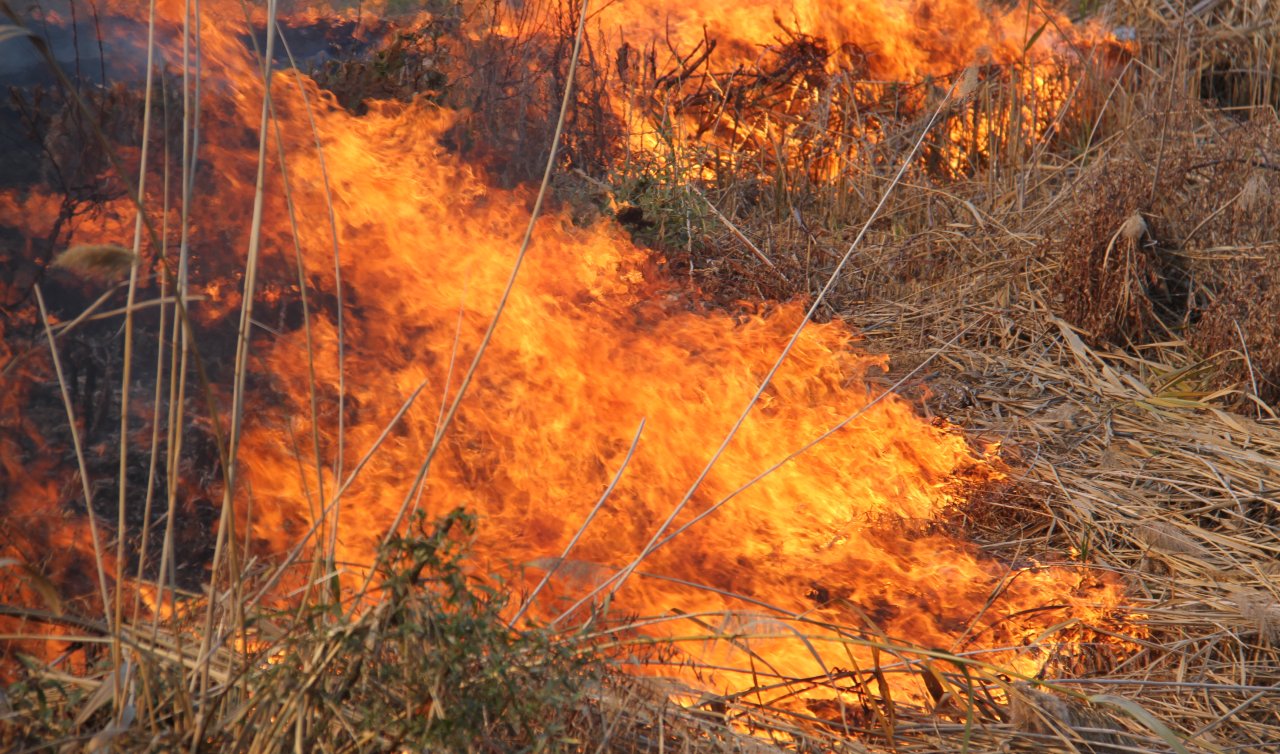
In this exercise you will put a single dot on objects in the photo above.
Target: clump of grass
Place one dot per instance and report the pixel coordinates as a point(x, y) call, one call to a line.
point(430, 664)
point(1231, 250)
point(1113, 281)
point(1065, 721)
point(1203, 269)
point(97, 260)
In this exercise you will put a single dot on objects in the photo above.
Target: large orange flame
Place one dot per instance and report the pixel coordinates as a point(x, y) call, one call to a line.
point(897, 40)
point(594, 339)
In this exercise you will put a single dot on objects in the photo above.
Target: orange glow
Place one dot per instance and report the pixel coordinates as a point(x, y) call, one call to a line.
point(831, 68)
point(896, 40)
point(594, 339)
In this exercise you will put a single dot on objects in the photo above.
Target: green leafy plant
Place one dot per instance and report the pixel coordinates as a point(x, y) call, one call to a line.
point(432, 664)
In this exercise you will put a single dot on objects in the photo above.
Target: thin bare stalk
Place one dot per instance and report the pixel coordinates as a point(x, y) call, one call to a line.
point(340, 450)
point(85, 486)
point(126, 377)
point(225, 544)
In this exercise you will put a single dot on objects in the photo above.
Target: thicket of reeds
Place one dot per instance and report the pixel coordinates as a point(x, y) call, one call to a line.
point(1093, 287)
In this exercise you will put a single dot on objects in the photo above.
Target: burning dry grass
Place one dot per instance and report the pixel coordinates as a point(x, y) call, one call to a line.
point(1145, 459)
point(1145, 436)
point(1132, 468)
point(1134, 421)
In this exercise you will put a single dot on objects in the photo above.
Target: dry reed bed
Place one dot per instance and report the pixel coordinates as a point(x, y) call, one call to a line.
point(1146, 445)
point(1180, 500)
point(1142, 437)
point(1157, 460)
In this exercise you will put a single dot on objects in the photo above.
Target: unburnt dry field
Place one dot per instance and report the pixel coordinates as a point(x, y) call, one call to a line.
point(639, 377)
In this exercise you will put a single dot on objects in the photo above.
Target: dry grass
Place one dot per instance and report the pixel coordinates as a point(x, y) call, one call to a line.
point(1146, 457)
point(1127, 369)
point(1110, 274)
point(1129, 462)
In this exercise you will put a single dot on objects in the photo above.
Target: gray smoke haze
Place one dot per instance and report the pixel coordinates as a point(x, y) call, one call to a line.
point(105, 48)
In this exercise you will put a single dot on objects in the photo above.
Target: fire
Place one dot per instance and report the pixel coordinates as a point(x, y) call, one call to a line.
point(595, 339)
point(898, 40)
point(739, 81)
